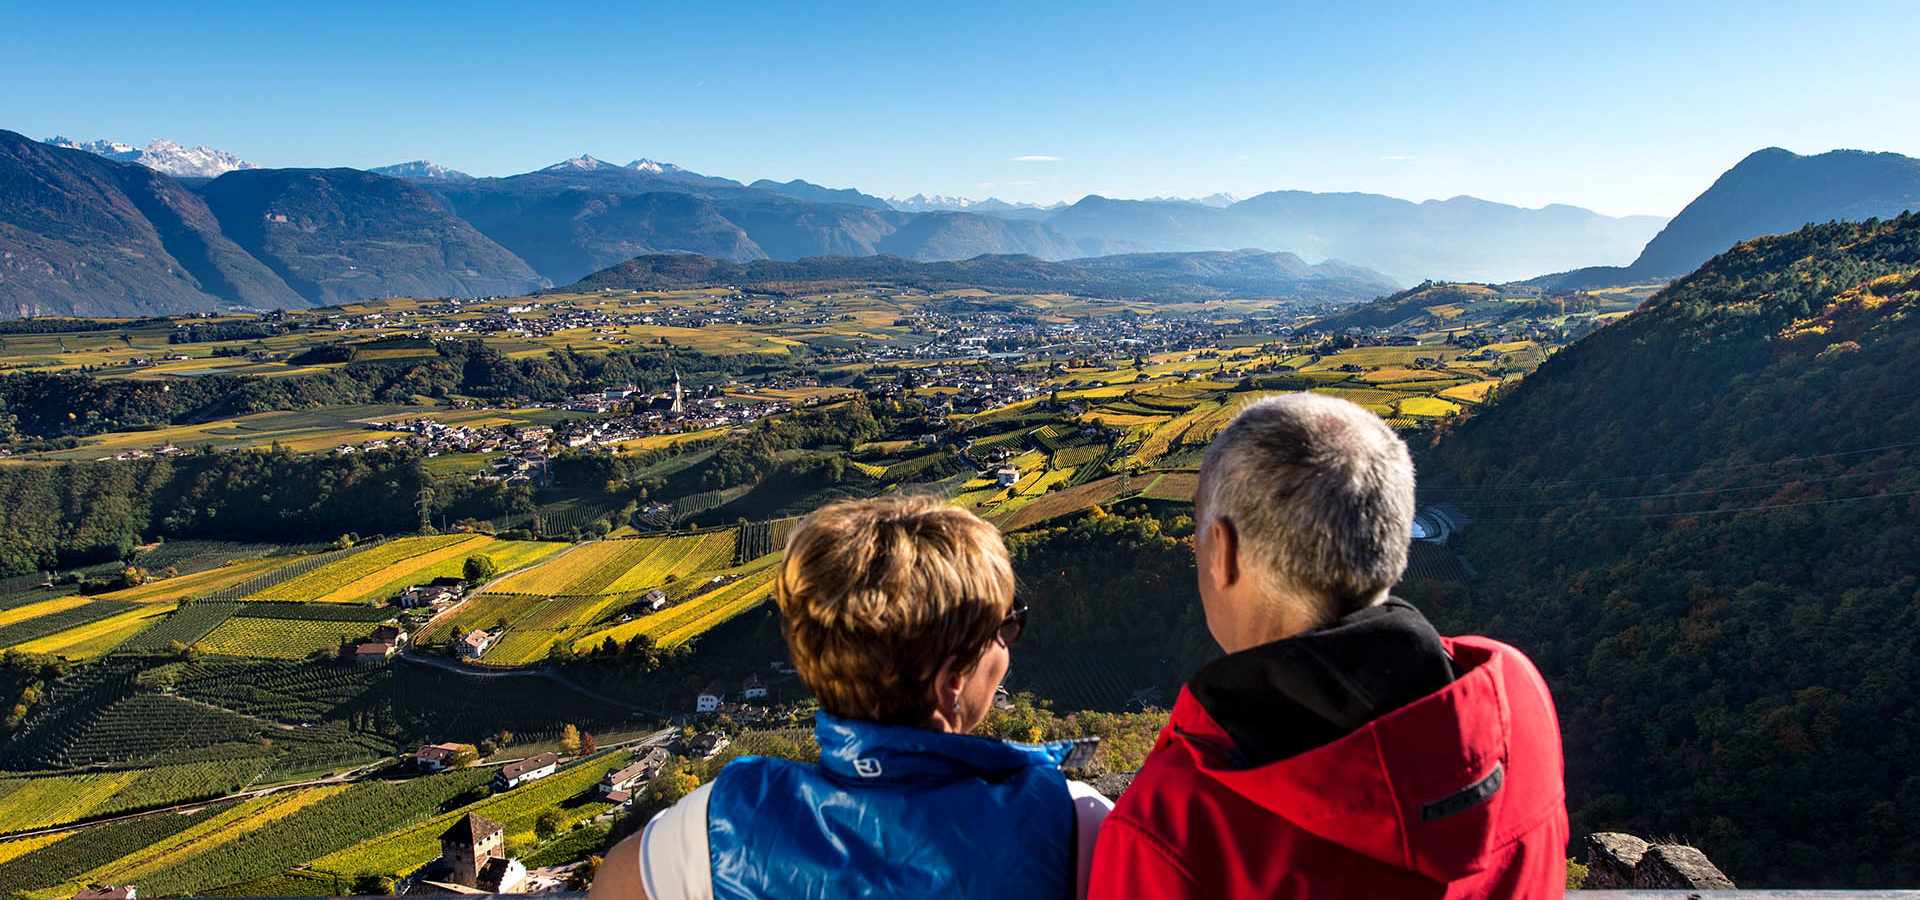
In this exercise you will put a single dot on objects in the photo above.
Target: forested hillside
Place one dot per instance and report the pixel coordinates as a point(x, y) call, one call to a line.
point(1701, 522)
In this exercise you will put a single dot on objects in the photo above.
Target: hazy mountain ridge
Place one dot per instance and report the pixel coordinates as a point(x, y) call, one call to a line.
point(804, 190)
point(1463, 238)
point(577, 217)
point(1772, 191)
point(1173, 276)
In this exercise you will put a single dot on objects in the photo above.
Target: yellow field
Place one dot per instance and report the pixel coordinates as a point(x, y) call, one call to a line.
point(200, 582)
point(412, 567)
point(42, 802)
point(12, 850)
point(1427, 406)
point(1400, 373)
point(679, 556)
point(88, 641)
point(676, 624)
point(43, 608)
point(181, 848)
point(360, 575)
point(1474, 392)
point(557, 574)
point(663, 441)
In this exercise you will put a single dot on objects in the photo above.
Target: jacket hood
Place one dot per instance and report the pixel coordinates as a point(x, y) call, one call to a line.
point(1430, 787)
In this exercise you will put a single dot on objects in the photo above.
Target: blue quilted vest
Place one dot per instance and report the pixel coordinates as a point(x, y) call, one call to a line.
point(894, 812)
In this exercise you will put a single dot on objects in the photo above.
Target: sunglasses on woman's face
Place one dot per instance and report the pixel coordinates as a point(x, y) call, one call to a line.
point(1014, 623)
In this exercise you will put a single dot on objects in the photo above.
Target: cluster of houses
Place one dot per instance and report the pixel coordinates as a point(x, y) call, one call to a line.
point(436, 595)
point(747, 704)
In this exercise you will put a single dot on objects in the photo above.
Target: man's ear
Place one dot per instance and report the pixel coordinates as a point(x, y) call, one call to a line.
point(1225, 558)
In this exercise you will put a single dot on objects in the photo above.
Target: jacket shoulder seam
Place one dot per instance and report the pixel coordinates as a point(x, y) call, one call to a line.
point(1159, 846)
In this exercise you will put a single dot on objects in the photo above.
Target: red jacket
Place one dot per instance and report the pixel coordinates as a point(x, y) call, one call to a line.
point(1459, 794)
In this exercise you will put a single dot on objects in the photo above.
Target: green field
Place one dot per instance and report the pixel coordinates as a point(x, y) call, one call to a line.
point(279, 638)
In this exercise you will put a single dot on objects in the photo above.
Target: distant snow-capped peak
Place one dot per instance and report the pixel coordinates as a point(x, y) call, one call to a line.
point(919, 202)
point(938, 203)
point(421, 170)
point(657, 168)
point(163, 156)
point(581, 163)
point(1221, 200)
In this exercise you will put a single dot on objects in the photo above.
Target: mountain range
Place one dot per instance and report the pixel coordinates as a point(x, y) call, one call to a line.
point(81, 241)
point(163, 156)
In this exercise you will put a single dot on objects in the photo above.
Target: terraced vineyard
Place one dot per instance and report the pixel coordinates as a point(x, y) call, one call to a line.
point(362, 576)
point(79, 632)
point(256, 840)
point(406, 849)
point(185, 626)
point(623, 565)
point(288, 692)
point(677, 624)
point(230, 824)
point(550, 622)
point(279, 638)
point(32, 872)
point(30, 803)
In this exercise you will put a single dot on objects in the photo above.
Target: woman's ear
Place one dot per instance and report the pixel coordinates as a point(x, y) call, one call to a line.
point(948, 682)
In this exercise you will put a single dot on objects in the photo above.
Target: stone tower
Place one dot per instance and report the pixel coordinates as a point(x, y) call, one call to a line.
point(468, 845)
point(678, 408)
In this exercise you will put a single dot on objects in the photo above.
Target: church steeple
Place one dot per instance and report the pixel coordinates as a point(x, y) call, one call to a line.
point(678, 394)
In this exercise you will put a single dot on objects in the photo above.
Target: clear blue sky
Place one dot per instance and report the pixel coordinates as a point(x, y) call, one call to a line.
point(1623, 107)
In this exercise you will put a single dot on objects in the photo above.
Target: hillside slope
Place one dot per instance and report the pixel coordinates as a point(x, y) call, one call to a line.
point(1772, 191)
point(1700, 522)
point(82, 235)
point(338, 235)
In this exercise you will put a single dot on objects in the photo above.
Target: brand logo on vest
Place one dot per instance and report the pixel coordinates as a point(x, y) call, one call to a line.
point(867, 767)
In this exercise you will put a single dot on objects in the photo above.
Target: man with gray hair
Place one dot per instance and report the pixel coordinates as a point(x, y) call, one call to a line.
point(1342, 747)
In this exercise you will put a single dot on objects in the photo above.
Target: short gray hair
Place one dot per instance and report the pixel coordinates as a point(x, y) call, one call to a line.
point(1320, 493)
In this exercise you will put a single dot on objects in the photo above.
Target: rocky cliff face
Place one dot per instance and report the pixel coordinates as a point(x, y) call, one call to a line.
point(1622, 862)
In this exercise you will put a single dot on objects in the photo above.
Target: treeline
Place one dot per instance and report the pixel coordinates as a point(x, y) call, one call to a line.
point(1700, 523)
point(58, 325)
point(37, 406)
point(75, 514)
point(1121, 581)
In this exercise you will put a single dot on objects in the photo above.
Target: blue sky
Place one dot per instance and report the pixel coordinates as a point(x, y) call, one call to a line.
point(1623, 107)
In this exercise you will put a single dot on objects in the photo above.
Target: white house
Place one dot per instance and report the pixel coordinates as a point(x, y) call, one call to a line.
point(710, 697)
point(473, 645)
point(753, 687)
point(533, 768)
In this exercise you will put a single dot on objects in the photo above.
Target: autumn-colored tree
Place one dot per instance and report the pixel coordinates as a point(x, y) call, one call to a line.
point(570, 739)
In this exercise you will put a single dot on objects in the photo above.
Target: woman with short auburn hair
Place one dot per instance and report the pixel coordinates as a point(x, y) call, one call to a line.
point(898, 612)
